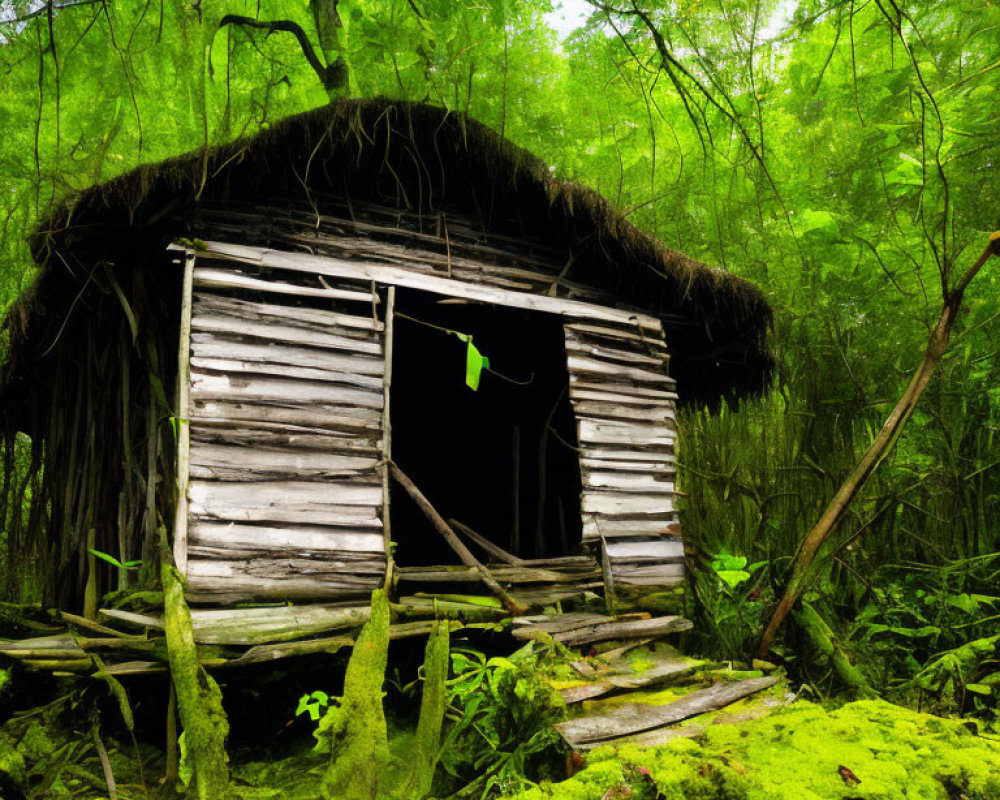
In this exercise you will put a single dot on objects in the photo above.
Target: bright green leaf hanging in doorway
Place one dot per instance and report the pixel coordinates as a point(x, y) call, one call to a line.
point(475, 362)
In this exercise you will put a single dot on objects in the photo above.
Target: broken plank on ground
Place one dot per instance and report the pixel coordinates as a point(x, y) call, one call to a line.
point(636, 718)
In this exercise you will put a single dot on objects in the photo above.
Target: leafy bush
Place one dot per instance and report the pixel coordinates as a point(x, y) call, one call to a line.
point(501, 716)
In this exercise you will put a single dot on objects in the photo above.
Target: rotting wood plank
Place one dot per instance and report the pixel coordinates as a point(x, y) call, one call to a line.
point(283, 460)
point(635, 718)
point(358, 270)
point(312, 317)
point(212, 328)
point(328, 441)
point(613, 629)
point(206, 386)
point(665, 468)
point(631, 504)
point(236, 368)
point(589, 367)
point(313, 566)
point(351, 517)
point(648, 572)
point(504, 573)
point(620, 386)
point(652, 549)
point(658, 413)
point(228, 279)
point(255, 352)
point(288, 539)
point(613, 356)
point(250, 626)
point(597, 432)
point(626, 482)
point(661, 455)
point(595, 525)
point(262, 653)
point(310, 589)
point(279, 493)
point(318, 417)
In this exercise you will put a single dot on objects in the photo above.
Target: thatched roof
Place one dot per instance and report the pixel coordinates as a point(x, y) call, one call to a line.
point(418, 157)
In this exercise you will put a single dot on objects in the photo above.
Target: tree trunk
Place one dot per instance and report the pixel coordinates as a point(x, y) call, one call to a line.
point(937, 345)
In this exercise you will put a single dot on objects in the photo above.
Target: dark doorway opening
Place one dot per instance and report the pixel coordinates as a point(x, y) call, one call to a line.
point(502, 459)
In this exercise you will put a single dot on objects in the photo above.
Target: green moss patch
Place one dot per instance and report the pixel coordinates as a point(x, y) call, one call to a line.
point(868, 750)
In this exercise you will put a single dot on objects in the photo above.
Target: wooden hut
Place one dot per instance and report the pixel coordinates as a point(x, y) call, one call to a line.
point(236, 345)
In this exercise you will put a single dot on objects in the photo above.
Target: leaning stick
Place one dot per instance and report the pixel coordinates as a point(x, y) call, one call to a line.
point(453, 541)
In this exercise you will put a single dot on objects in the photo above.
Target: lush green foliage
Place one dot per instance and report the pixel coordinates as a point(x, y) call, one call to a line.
point(841, 155)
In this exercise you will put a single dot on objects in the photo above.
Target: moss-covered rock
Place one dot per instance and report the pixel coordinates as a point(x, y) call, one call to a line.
point(868, 750)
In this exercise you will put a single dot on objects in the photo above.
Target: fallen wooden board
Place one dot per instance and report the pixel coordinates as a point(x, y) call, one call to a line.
point(256, 625)
point(635, 717)
point(604, 631)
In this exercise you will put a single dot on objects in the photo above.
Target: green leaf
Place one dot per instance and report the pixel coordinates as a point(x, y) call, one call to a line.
point(312, 704)
point(475, 363)
point(733, 578)
point(114, 561)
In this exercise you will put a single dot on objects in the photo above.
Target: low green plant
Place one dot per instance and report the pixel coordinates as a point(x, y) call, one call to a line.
point(729, 590)
point(501, 714)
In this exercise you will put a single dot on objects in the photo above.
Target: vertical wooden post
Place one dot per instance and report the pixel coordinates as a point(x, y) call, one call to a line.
point(183, 410)
point(390, 308)
point(90, 590)
point(609, 578)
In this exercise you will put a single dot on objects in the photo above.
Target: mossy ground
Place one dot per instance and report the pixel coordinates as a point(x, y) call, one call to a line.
point(797, 753)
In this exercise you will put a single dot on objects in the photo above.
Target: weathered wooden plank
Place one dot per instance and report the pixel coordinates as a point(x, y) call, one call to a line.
point(338, 571)
point(611, 629)
point(262, 653)
point(504, 573)
point(289, 539)
point(213, 494)
point(601, 432)
point(275, 417)
point(247, 626)
point(635, 717)
point(662, 467)
point(630, 504)
point(222, 347)
point(217, 325)
point(619, 387)
point(235, 369)
point(618, 395)
point(582, 366)
point(208, 386)
point(657, 549)
point(659, 581)
point(627, 482)
point(652, 334)
point(352, 517)
point(256, 436)
point(663, 414)
point(595, 525)
point(557, 623)
point(216, 461)
point(359, 270)
point(653, 572)
point(299, 315)
point(228, 279)
point(597, 453)
point(239, 589)
point(614, 356)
